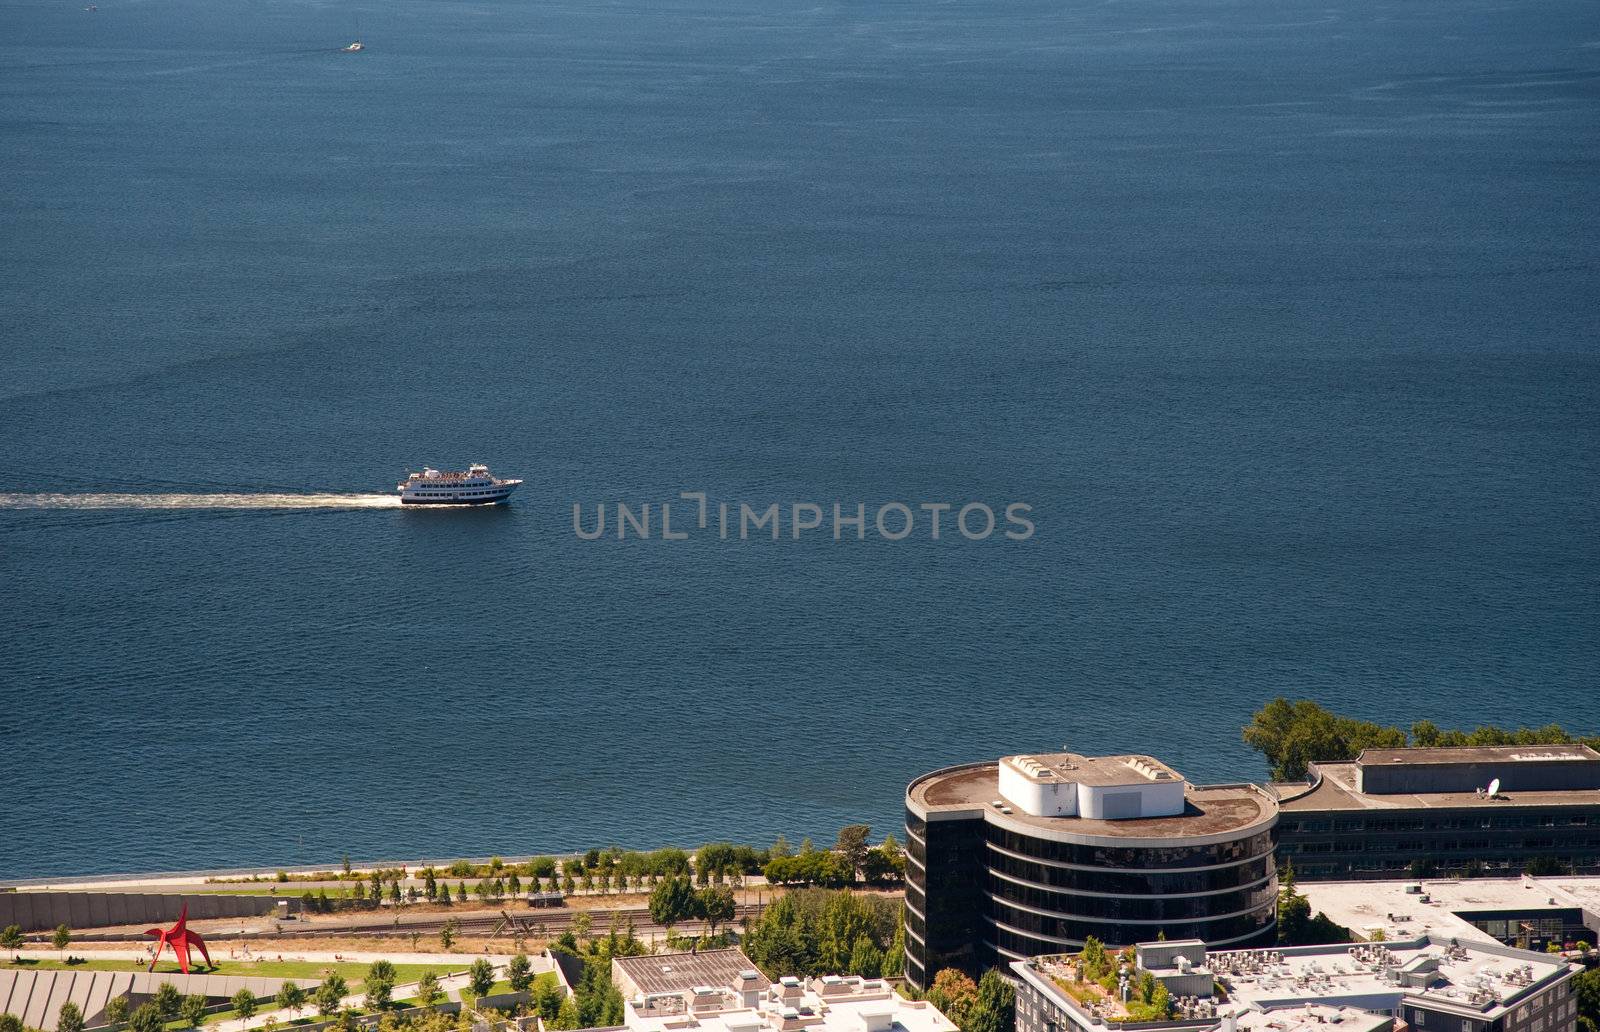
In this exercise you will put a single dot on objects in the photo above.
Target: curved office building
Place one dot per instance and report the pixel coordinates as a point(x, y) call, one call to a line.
point(1033, 854)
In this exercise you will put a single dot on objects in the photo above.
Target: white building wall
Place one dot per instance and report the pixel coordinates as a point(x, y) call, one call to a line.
point(1041, 799)
point(1111, 802)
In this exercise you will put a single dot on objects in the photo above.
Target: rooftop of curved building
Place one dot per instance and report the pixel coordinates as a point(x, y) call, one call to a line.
point(1210, 811)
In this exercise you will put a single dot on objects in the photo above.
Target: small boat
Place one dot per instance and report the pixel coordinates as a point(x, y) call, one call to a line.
point(352, 48)
point(477, 486)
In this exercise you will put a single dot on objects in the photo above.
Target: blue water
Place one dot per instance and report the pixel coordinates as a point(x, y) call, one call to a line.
point(1282, 315)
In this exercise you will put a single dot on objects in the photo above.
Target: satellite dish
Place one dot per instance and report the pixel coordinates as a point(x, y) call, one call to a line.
point(1494, 788)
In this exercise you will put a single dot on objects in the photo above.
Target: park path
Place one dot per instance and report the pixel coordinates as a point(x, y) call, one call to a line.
point(450, 986)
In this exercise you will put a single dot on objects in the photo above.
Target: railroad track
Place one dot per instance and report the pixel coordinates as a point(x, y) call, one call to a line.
point(477, 924)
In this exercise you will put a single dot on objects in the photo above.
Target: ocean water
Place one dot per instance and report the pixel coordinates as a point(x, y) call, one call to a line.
point(1281, 314)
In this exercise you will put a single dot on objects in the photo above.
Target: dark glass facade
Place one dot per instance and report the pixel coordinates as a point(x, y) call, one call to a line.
point(1499, 841)
point(944, 899)
point(979, 894)
point(1045, 896)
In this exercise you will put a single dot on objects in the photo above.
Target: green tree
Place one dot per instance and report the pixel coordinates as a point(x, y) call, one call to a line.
point(192, 1010)
point(461, 892)
point(330, 995)
point(62, 937)
point(291, 996)
point(1586, 991)
point(954, 993)
point(167, 1000)
point(894, 960)
point(69, 1018)
point(379, 984)
point(673, 901)
point(845, 918)
point(716, 905)
point(566, 1015)
point(1293, 735)
point(244, 1003)
point(11, 938)
point(10, 1023)
point(1296, 926)
point(995, 1007)
point(146, 1019)
point(116, 1010)
point(519, 972)
point(548, 997)
point(866, 959)
point(428, 991)
point(852, 846)
point(480, 977)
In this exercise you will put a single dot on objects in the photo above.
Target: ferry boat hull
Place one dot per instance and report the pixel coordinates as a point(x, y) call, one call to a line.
point(459, 499)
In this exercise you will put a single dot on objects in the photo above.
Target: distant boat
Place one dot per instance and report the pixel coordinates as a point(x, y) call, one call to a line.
point(355, 47)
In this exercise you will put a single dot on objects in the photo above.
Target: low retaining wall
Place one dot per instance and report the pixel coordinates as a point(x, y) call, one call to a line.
point(42, 911)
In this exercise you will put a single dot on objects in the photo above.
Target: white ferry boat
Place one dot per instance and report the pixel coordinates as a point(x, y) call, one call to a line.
point(477, 486)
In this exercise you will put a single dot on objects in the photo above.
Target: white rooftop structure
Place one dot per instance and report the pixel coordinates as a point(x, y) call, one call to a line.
point(1469, 977)
point(1100, 788)
point(1315, 1018)
point(832, 1003)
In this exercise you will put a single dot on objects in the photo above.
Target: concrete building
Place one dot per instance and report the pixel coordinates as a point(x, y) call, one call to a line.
point(721, 991)
point(1032, 854)
point(1425, 812)
point(1529, 912)
point(1429, 984)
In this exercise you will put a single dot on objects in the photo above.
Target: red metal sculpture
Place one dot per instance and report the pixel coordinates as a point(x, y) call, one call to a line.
point(180, 939)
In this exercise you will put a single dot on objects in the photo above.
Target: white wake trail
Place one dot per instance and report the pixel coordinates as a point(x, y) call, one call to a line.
point(198, 501)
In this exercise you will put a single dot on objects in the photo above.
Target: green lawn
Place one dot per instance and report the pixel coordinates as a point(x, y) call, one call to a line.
point(505, 987)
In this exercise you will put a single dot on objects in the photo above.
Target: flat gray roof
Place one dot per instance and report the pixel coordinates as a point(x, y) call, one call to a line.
point(1479, 754)
point(1337, 791)
point(681, 972)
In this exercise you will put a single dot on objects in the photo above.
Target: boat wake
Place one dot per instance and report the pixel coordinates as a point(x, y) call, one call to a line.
point(199, 501)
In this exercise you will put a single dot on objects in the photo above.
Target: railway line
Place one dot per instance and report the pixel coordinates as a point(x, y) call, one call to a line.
point(473, 924)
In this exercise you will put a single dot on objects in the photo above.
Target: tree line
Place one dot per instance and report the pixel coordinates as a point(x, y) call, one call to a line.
point(1292, 735)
